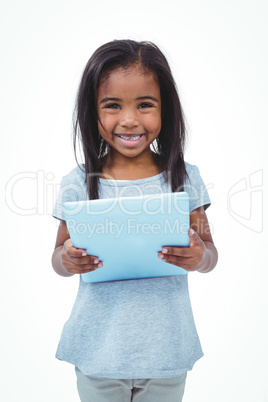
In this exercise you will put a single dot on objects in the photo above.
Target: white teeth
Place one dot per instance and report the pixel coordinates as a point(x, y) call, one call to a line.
point(125, 137)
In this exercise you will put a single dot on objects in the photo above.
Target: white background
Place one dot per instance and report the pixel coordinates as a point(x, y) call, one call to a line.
point(218, 54)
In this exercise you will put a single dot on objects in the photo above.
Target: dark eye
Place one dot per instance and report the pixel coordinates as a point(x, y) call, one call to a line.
point(144, 105)
point(113, 106)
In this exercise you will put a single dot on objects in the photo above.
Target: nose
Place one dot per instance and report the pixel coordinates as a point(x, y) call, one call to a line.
point(129, 119)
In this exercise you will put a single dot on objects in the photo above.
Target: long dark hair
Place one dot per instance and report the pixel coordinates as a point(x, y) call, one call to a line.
point(171, 139)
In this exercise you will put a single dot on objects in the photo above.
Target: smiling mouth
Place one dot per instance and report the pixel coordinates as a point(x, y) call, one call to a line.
point(130, 137)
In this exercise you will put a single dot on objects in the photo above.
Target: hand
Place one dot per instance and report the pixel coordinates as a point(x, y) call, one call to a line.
point(191, 258)
point(76, 261)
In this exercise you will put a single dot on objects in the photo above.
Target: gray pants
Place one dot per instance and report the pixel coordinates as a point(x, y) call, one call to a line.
point(98, 389)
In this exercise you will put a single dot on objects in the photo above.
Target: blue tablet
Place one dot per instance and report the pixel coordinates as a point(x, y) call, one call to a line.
point(126, 233)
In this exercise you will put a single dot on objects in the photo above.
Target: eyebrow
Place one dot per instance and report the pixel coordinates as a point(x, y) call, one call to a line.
point(108, 99)
point(148, 97)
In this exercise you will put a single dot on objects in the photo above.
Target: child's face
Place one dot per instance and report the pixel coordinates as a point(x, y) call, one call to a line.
point(129, 109)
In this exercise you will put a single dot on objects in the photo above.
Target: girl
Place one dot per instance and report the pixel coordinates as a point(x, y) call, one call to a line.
point(132, 340)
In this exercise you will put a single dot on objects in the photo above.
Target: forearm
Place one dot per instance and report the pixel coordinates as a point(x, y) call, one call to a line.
point(57, 263)
point(211, 258)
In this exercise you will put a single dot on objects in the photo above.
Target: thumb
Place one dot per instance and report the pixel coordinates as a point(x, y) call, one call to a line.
point(193, 237)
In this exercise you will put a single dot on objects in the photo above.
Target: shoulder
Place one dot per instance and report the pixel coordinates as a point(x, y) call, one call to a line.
point(75, 176)
point(73, 185)
point(192, 172)
point(72, 188)
point(196, 187)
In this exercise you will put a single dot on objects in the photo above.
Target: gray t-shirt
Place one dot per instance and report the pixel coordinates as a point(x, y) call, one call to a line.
point(140, 328)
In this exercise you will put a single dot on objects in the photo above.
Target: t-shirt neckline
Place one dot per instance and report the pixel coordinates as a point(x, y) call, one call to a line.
point(136, 181)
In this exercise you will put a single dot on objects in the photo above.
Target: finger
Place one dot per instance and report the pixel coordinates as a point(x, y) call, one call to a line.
point(183, 251)
point(185, 263)
point(73, 251)
point(177, 251)
point(89, 259)
point(173, 259)
point(81, 269)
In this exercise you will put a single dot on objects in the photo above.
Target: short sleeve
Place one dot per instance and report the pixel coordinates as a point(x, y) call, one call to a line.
point(196, 188)
point(72, 189)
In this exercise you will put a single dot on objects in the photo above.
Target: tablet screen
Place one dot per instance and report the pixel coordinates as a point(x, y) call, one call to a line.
point(126, 233)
